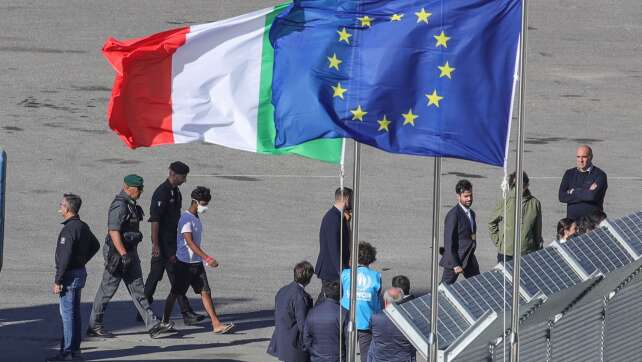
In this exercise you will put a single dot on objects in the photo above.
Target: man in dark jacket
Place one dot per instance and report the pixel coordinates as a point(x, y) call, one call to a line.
point(334, 229)
point(165, 211)
point(388, 343)
point(459, 237)
point(292, 304)
point(583, 187)
point(324, 335)
point(76, 245)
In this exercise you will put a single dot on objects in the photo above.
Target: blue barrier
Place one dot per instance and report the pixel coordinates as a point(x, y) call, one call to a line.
point(3, 179)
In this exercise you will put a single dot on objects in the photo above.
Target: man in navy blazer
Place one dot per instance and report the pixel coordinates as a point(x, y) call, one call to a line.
point(325, 332)
point(388, 343)
point(459, 237)
point(331, 250)
point(292, 304)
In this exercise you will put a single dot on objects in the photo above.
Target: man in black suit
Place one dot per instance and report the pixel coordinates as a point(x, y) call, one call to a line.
point(583, 187)
point(332, 250)
point(388, 343)
point(324, 331)
point(292, 304)
point(459, 237)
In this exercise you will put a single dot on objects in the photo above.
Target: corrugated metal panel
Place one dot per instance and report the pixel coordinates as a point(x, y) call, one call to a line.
point(532, 347)
point(623, 320)
point(479, 353)
point(577, 336)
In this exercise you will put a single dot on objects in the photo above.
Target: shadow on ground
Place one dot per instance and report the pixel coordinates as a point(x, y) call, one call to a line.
point(32, 333)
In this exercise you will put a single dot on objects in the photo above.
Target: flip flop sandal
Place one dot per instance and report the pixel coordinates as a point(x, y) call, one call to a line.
point(226, 328)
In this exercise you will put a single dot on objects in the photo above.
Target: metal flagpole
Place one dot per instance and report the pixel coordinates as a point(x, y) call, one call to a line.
point(435, 260)
point(521, 119)
point(341, 180)
point(354, 251)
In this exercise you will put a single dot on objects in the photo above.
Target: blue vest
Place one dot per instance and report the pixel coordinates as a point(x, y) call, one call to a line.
point(368, 298)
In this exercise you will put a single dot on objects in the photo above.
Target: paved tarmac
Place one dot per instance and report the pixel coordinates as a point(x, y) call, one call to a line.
point(583, 86)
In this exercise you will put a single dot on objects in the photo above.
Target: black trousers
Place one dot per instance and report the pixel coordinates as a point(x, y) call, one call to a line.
point(449, 276)
point(158, 266)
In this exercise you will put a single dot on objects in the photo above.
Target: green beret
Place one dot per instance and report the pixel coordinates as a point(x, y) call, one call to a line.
point(134, 180)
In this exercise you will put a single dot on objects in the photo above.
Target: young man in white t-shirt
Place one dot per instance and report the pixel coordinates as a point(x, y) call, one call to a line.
point(190, 259)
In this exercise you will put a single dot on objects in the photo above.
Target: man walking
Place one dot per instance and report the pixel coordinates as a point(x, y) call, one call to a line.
point(292, 304)
point(164, 213)
point(76, 245)
point(583, 187)
point(325, 331)
point(459, 237)
point(122, 261)
point(334, 239)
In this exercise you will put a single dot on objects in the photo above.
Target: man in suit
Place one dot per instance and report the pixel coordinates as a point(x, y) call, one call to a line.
point(292, 304)
point(334, 240)
point(388, 343)
point(459, 237)
point(325, 331)
point(583, 187)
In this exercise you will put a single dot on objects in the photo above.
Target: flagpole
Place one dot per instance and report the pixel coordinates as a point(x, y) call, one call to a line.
point(341, 181)
point(354, 252)
point(519, 178)
point(436, 195)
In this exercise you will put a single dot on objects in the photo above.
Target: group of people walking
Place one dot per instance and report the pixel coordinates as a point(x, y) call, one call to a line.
point(176, 250)
point(318, 333)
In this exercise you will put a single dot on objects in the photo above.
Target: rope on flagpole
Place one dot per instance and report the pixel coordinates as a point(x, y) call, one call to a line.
point(341, 183)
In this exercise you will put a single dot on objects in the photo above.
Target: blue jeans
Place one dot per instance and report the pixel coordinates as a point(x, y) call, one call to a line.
point(73, 281)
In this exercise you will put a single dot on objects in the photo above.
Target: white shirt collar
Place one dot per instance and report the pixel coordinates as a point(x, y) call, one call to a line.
point(466, 209)
point(338, 208)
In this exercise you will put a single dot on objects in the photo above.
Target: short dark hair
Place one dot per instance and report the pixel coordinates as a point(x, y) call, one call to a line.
point(74, 202)
point(332, 290)
point(303, 272)
point(512, 179)
point(562, 225)
point(585, 224)
point(367, 253)
point(402, 282)
point(201, 193)
point(345, 192)
point(597, 216)
point(463, 186)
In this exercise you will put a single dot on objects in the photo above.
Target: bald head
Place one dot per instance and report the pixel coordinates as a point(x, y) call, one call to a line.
point(392, 295)
point(583, 157)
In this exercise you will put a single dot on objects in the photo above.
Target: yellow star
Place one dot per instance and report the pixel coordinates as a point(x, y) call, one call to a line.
point(434, 98)
point(338, 91)
point(441, 39)
point(344, 35)
point(383, 124)
point(334, 62)
point(358, 114)
point(423, 16)
point(366, 21)
point(446, 70)
point(409, 118)
point(396, 17)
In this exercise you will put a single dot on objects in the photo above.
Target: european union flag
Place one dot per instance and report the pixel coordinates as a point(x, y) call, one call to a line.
point(431, 78)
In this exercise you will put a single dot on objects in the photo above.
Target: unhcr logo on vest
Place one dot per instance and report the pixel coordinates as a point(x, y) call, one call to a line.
point(364, 284)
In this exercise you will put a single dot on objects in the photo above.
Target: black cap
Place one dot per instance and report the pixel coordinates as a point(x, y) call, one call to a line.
point(179, 167)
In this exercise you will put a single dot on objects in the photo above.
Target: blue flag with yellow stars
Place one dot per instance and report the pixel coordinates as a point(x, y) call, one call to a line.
point(430, 78)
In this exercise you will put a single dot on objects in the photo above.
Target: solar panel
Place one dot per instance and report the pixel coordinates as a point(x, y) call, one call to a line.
point(484, 292)
point(546, 271)
point(630, 228)
point(597, 250)
point(452, 323)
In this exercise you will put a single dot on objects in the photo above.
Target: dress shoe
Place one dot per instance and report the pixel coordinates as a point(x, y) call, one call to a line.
point(99, 332)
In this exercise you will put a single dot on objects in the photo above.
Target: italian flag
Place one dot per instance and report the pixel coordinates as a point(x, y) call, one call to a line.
point(209, 82)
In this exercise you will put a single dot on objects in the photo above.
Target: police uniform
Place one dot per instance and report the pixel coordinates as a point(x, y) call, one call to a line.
point(165, 209)
point(125, 217)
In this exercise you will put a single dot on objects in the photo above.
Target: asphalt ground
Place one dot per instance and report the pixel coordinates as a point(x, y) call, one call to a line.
point(584, 80)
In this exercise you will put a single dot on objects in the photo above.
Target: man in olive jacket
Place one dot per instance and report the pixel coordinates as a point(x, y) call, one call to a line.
point(531, 232)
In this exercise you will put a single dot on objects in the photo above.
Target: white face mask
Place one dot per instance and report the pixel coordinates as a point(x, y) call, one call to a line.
point(201, 209)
